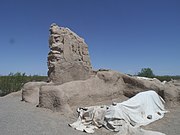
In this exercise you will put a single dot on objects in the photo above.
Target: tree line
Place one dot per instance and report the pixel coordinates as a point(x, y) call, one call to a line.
point(148, 72)
point(14, 82)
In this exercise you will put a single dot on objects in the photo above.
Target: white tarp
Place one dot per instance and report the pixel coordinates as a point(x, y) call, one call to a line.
point(124, 118)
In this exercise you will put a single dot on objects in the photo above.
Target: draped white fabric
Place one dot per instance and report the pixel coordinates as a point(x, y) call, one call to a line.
point(124, 118)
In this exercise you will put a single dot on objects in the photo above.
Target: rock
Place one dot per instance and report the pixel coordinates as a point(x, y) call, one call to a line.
point(102, 87)
point(168, 91)
point(30, 92)
point(175, 82)
point(68, 59)
point(83, 92)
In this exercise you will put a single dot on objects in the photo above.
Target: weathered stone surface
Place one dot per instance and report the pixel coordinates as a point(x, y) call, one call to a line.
point(83, 92)
point(102, 87)
point(176, 83)
point(30, 92)
point(68, 59)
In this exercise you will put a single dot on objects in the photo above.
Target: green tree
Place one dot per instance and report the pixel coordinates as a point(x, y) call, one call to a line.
point(146, 72)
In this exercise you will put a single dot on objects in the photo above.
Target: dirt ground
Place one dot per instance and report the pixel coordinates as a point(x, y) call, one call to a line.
point(20, 118)
point(169, 124)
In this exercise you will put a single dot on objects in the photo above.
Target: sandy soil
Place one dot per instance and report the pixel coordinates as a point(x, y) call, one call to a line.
point(20, 118)
point(170, 124)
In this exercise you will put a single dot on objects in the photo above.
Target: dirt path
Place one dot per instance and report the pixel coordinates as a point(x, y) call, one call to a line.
point(20, 118)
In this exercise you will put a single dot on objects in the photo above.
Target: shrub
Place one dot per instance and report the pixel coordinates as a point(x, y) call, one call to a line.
point(14, 82)
point(167, 78)
point(147, 72)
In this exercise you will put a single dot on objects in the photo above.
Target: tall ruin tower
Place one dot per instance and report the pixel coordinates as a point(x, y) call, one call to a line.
point(68, 59)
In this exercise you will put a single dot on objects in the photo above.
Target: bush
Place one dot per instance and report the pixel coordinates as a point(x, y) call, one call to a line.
point(146, 72)
point(167, 78)
point(14, 82)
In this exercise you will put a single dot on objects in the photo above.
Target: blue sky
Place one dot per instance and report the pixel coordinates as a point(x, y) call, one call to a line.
point(123, 35)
